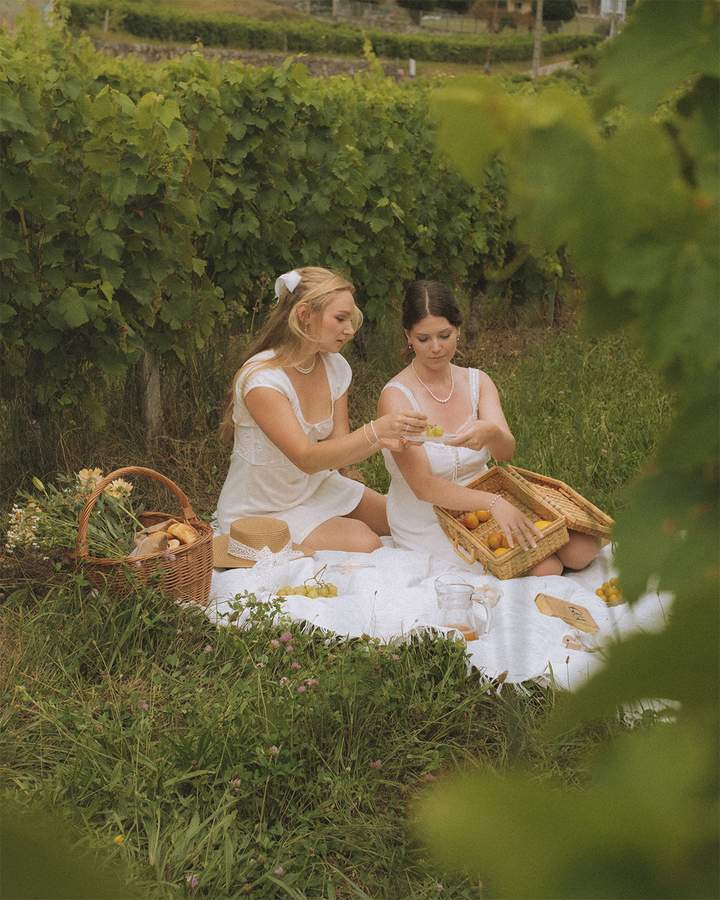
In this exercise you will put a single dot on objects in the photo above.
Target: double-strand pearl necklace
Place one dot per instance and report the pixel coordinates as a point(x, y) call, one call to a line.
point(309, 368)
point(452, 384)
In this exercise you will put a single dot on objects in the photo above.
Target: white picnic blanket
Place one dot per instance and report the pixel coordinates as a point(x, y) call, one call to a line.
point(390, 594)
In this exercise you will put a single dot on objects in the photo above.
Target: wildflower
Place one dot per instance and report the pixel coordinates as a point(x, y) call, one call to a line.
point(289, 648)
point(439, 888)
point(562, 392)
point(295, 664)
point(302, 689)
point(274, 644)
point(192, 881)
point(376, 765)
point(119, 839)
point(171, 556)
point(119, 489)
point(273, 751)
point(429, 777)
point(395, 656)
point(235, 783)
point(603, 452)
point(144, 705)
point(279, 870)
point(285, 638)
point(283, 681)
point(312, 682)
point(208, 648)
point(88, 478)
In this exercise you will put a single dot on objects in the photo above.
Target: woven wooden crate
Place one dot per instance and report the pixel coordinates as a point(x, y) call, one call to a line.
point(580, 514)
point(185, 574)
point(522, 495)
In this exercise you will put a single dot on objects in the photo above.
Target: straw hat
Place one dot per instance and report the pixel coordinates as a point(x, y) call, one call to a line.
point(250, 539)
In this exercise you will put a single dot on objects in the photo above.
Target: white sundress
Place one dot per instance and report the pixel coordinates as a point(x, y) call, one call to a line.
point(262, 481)
point(413, 523)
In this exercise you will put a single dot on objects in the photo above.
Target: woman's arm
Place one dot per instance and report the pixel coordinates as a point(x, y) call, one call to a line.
point(415, 468)
point(275, 416)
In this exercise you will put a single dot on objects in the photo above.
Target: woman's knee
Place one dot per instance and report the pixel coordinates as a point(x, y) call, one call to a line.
point(580, 550)
point(551, 565)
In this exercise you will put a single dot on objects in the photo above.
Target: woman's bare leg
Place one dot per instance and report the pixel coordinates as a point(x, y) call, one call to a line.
point(343, 533)
point(358, 532)
point(551, 565)
point(580, 551)
point(372, 510)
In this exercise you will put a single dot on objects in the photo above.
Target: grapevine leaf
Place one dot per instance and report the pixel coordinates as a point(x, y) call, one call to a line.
point(669, 43)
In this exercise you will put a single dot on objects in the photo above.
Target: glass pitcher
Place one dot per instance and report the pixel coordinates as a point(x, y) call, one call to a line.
point(456, 608)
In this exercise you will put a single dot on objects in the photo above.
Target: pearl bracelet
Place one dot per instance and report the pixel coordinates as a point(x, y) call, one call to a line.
point(497, 497)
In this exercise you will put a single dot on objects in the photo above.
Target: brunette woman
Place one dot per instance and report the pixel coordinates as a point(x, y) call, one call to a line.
point(465, 402)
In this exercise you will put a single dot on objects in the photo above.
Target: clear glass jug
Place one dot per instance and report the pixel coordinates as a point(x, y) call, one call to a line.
point(457, 610)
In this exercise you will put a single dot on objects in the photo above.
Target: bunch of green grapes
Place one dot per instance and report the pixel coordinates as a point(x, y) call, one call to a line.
point(610, 593)
point(434, 431)
point(317, 589)
point(313, 590)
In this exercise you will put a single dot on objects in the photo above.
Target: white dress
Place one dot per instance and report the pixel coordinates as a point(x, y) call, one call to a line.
point(263, 482)
point(413, 523)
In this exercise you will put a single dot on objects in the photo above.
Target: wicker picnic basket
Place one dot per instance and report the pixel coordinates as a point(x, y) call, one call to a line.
point(524, 497)
point(184, 575)
point(580, 514)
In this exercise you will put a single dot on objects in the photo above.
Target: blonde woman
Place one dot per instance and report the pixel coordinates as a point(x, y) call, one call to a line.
point(287, 415)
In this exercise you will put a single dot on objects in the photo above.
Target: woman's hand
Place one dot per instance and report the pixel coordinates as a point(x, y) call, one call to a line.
point(515, 525)
point(398, 425)
point(475, 436)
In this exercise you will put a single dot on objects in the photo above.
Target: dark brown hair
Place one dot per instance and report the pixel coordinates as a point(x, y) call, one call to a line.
point(428, 298)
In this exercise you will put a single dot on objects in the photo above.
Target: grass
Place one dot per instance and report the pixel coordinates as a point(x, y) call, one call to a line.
point(143, 738)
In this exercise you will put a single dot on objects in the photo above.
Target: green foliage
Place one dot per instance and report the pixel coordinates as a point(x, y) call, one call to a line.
point(555, 12)
point(638, 209)
point(65, 870)
point(146, 20)
point(143, 207)
point(260, 759)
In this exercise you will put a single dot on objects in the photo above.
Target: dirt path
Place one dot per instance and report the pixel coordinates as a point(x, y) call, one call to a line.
point(553, 67)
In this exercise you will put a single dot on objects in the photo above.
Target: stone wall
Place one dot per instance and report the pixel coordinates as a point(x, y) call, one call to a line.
point(320, 67)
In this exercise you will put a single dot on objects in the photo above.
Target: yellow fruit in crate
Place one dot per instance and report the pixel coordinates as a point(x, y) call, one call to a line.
point(495, 540)
point(470, 520)
point(542, 523)
point(482, 514)
point(500, 550)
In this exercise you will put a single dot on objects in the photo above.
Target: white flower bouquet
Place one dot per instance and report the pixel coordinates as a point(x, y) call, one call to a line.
point(49, 518)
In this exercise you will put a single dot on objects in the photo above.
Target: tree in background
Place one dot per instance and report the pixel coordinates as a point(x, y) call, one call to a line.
point(555, 12)
point(416, 8)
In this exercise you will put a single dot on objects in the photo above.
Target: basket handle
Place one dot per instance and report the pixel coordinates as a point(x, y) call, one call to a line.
point(82, 548)
point(461, 554)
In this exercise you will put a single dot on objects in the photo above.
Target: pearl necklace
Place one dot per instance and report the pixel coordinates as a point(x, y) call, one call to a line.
point(452, 384)
point(309, 368)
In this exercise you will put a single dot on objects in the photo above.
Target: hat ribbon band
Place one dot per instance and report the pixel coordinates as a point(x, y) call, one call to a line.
point(242, 551)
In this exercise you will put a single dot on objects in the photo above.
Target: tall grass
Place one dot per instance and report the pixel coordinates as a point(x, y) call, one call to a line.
point(175, 751)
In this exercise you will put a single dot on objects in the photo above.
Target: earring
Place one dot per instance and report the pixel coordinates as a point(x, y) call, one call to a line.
point(409, 346)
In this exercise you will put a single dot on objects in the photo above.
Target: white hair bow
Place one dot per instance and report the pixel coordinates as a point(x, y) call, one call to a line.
point(290, 279)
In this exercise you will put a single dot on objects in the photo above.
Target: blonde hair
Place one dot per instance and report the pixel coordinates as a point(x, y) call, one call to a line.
point(283, 331)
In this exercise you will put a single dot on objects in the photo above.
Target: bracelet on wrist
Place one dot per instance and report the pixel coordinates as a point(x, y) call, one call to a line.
point(497, 497)
point(372, 443)
point(372, 425)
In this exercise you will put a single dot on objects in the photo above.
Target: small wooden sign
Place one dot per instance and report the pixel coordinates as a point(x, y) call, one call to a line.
point(577, 616)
